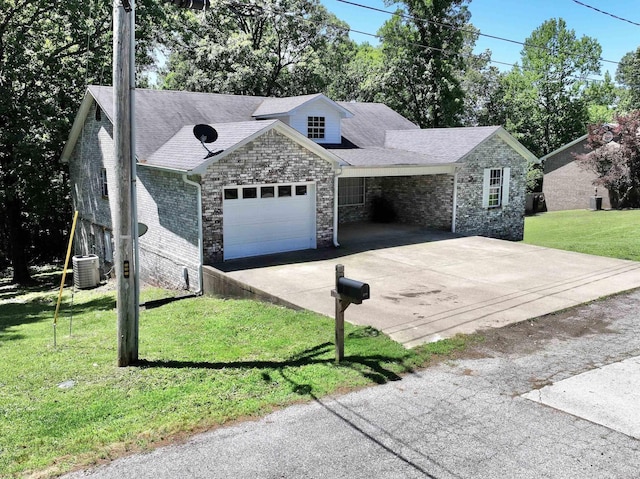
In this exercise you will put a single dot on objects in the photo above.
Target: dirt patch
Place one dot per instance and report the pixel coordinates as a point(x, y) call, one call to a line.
point(532, 335)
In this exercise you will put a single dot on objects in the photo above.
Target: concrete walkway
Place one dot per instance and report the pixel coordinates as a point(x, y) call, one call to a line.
point(470, 418)
point(426, 286)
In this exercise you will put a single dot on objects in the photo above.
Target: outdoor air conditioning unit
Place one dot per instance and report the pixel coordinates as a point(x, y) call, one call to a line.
point(86, 271)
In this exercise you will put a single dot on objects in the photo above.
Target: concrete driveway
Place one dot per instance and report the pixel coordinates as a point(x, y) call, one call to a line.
point(426, 286)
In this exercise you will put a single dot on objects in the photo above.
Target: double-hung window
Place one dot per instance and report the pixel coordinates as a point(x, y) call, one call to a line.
point(495, 191)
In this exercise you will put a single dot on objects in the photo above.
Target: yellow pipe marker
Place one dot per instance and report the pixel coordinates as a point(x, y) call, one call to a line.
point(64, 272)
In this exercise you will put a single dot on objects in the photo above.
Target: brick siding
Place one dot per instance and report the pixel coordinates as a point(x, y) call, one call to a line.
point(505, 222)
point(270, 158)
point(568, 186)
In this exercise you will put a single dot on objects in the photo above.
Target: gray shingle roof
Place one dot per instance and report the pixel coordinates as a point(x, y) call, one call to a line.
point(184, 152)
point(370, 121)
point(381, 136)
point(442, 145)
point(280, 106)
point(161, 113)
point(383, 157)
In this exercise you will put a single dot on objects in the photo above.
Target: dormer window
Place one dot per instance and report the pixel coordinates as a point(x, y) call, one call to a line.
point(315, 127)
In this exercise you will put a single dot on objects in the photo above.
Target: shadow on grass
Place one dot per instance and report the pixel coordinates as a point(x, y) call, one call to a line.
point(42, 309)
point(370, 367)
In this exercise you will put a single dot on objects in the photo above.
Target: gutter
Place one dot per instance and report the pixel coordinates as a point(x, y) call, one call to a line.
point(335, 207)
point(198, 187)
point(455, 202)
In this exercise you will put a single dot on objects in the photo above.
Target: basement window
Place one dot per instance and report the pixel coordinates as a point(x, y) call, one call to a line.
point(104, 188)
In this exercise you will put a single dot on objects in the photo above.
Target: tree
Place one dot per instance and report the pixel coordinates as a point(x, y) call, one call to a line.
point(360, 77)
point(544, 100)
point(616, 158)
point(49, 52)
point(267, 47)
point(601, 98)
point(422, 58)
point(481, 84)
point(628, 75)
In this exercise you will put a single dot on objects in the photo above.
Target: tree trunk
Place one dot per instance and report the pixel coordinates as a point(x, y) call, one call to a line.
point(17, 242)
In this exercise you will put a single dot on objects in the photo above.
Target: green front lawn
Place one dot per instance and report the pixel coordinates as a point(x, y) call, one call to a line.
point(205, 362)
point(604, 233)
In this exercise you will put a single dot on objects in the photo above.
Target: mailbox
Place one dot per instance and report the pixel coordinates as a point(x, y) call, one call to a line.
point(354, 291)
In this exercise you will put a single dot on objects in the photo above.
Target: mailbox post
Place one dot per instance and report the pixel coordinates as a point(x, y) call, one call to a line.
point(347, 291)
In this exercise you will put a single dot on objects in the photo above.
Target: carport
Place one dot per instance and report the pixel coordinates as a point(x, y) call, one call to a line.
point(429, 285)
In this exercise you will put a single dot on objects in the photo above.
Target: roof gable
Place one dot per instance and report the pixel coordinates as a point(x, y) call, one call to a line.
point(451, 145)
point(159, 114)
point(279, 107)
point(183, 152)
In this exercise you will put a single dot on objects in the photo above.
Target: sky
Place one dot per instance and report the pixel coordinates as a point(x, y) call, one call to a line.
point(516, 20)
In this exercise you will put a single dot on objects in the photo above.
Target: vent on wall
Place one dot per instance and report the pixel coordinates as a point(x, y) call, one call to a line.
point(86, 271)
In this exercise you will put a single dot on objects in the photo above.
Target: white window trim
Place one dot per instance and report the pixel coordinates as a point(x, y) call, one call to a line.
point(504, 196)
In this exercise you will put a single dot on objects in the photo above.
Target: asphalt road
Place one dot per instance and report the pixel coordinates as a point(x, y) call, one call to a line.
point(466, 418)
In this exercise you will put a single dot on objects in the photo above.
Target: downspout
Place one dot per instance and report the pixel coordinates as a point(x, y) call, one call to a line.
point(200, 241)
point(455, 201)
point(335, 207)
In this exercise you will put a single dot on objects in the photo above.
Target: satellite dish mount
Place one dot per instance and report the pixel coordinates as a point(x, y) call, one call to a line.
point(206, 134)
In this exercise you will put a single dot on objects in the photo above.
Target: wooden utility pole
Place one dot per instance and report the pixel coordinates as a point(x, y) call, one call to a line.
point(125, 221)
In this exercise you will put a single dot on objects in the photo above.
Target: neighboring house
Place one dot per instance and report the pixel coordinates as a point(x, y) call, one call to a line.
point(566, 185)
point(290, 172)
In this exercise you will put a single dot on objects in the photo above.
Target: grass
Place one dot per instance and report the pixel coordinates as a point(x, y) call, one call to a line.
point(609, 233)
point(205, 362)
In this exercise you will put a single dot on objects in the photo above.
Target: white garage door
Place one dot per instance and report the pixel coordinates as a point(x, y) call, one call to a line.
point(264, 219)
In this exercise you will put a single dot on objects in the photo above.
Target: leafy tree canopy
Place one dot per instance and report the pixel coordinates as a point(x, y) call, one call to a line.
point(267, 47)
point(422, 61)
point(628, 75)
point(545, 105)
point(49, 52)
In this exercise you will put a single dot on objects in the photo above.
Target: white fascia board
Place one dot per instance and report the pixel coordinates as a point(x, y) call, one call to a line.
point(281, 128)
point(165, 168)
point(76, 128)
point(344, 113)
point(395, 170)
point(516, 145)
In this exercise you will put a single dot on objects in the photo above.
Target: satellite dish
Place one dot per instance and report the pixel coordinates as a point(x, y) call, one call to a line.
point(142, 229)
point(607, 136)
point(206, 134)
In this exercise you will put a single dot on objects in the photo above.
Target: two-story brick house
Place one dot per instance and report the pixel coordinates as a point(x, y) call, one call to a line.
point(286, 173)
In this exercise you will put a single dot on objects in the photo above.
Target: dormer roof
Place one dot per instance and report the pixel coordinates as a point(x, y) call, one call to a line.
point(279, 107)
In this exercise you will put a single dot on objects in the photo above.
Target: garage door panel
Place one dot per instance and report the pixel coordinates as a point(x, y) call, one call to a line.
point(264, 247)
point(284, 230)
point(255, 226)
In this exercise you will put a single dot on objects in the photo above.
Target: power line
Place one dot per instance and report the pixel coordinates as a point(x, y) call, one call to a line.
point(406, 42)
point(448, 25)
point(606, 13)
point(420, 45)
